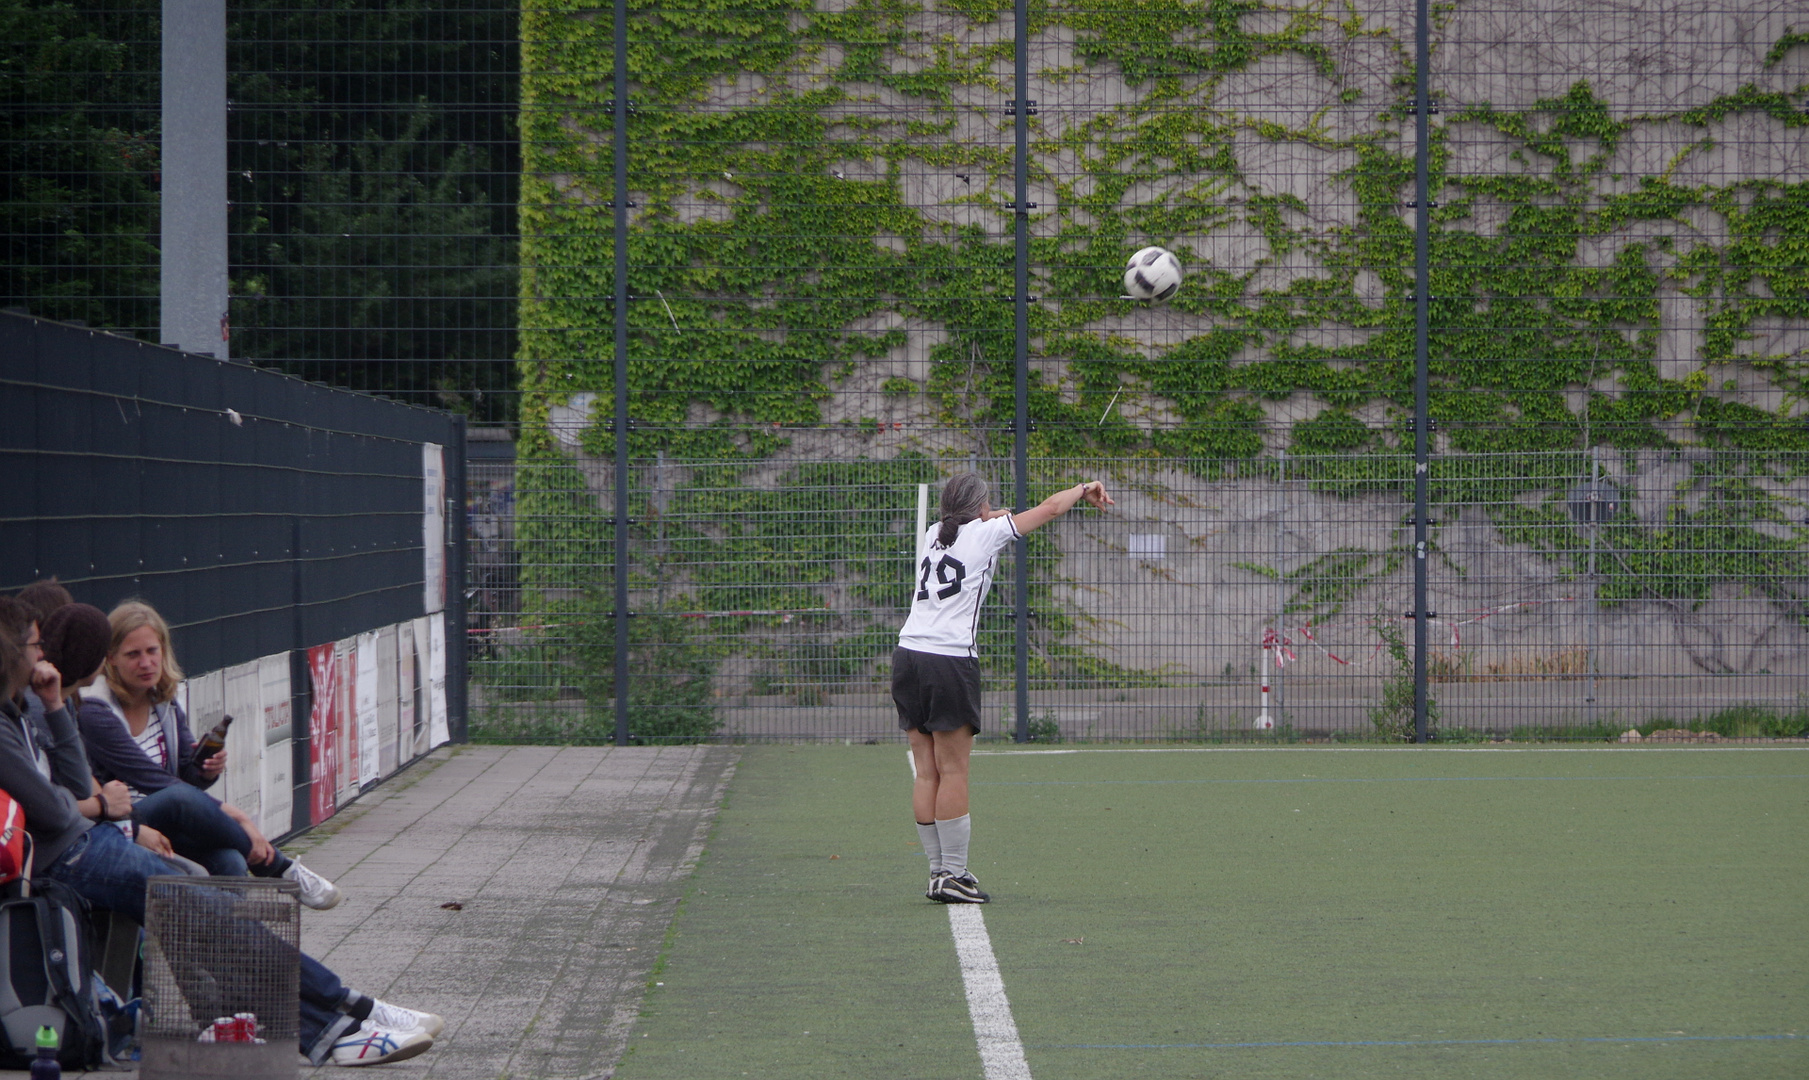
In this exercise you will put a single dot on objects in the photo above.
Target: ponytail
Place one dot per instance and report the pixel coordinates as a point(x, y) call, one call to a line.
point(963, 498)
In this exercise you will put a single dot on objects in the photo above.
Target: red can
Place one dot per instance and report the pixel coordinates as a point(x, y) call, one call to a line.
point(245, 1027)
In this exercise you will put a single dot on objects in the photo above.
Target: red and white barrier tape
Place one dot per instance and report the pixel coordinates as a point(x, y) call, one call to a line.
point(1282, 641)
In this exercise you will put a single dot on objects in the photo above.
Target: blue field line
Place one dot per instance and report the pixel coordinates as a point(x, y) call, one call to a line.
point(1368, 780)
point(1577, 1041)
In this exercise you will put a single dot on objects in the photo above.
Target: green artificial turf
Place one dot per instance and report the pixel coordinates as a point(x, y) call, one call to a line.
point(1257, 913)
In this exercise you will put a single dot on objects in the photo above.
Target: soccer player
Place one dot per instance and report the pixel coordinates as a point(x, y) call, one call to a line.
point(935, 672)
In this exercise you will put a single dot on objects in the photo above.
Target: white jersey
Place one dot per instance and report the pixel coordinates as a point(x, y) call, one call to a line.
point(951, 584)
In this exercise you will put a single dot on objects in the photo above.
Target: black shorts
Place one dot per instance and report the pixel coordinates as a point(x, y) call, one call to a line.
point(935, 692)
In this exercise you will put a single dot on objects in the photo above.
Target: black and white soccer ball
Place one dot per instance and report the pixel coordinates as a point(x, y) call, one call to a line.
point(1152, 275)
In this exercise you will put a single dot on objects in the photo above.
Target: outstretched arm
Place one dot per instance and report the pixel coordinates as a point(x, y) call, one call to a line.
point(1060, 503)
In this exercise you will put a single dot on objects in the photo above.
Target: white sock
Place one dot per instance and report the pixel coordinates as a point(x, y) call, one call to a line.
point(932, 844)
point(953, 835)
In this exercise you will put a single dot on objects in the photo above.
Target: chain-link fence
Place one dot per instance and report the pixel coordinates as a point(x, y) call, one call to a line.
point(1667, 594)
point(1488, 355)
point(371, 183)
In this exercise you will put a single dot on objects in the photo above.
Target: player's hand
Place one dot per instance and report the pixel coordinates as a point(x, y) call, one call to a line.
point(1094, 492)
point(214, 766)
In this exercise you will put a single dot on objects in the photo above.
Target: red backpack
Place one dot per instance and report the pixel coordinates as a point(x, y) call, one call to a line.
point(12, 839)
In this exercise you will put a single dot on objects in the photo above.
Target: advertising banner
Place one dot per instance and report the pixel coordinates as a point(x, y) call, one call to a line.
point(438, 729)
point(277, 729)
point(386, 701)
point(408, 691)
point(347, 717)
point(242, 784)
point(433, 526)
point(273, 696)
point(365, 704)
point(323, 732)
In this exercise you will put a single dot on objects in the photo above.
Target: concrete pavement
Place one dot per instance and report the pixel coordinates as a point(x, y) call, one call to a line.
point(566, 865)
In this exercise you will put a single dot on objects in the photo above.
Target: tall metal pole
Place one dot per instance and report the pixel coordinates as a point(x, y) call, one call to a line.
point(457, 615)
point(1595, 584)
point(192, 282)
point(1422, 348)
point(1021, 342)
point(620, 521)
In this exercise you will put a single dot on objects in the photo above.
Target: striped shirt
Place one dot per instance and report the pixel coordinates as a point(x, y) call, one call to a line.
point(150, 740)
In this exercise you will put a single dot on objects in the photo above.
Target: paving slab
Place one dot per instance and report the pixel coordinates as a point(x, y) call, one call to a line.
point(520, 892)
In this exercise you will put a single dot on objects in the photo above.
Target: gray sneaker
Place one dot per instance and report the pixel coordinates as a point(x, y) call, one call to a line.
point(397, 1018)
point(316, 892)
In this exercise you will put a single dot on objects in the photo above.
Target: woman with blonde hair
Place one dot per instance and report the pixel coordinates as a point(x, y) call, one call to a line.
point(135, 732)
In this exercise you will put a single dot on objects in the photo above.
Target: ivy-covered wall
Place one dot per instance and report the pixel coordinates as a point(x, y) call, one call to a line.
point(1619, 244)
point(821, 252)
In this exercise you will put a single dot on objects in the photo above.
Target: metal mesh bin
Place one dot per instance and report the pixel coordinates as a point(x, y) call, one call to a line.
point(221, 978)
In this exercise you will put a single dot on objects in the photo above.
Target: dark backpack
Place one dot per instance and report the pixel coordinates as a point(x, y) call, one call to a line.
point(49, 978)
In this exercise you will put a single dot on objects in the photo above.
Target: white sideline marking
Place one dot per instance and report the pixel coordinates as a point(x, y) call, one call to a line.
point(1603, 748)
point(1001, 1053)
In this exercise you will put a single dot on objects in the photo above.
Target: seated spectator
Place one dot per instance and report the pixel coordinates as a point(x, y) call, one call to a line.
point(39, 600)
point(133, 731)
point(73, 638)
point(42, 597)
point(43, 768)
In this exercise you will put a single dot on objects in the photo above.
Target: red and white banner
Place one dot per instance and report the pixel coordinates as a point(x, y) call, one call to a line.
point(323, 732)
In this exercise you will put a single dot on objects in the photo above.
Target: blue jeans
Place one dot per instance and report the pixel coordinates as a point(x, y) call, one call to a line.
point(109, 871)
point(198, 829)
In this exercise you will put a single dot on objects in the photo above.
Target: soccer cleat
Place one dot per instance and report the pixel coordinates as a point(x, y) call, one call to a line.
point(316, 892)
point(960, 890)
point(396, 1018)
point(935, 885)
point(373, 1045)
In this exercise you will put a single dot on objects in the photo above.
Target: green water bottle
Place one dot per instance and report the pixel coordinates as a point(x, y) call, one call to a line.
point(45, 1066)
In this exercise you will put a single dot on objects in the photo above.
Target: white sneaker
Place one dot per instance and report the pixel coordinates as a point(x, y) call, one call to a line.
point(316, 892)
point(373, 1045)
point(396, 1018)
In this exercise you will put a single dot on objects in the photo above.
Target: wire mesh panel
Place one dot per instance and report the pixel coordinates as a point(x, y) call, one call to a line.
point(871, 244)
point(372, 179)
point(221, 977)
point(823, 219)
point(1667, 592)
point(1617, 227)
point(79, 163)
point(371, 184)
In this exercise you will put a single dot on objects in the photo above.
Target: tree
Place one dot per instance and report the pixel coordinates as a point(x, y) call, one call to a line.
point(374, 174)
point(78, 162)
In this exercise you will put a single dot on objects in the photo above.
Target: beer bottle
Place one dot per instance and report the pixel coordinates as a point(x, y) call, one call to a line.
point(213, 742)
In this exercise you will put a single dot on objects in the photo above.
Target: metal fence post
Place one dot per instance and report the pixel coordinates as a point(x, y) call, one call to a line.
point(1276, 680)
point(193, 296)
point(1595, 585)
point(1422, 348)
point(301, 689)
point(1021, 345)
point(458, 636)
point(620, 521)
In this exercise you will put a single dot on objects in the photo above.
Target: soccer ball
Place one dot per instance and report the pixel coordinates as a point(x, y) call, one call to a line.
point(1153, 275)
